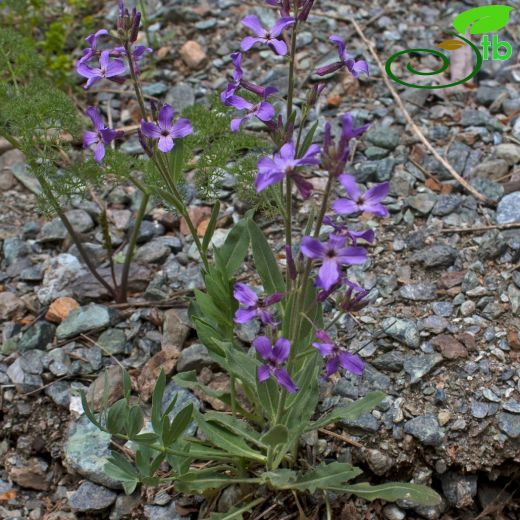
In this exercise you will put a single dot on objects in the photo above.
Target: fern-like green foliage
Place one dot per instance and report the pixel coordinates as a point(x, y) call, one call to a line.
point(222, 151)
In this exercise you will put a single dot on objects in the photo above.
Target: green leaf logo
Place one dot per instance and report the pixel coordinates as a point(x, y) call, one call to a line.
point(484, 19)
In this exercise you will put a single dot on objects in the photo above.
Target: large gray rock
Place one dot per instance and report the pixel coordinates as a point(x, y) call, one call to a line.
point(90, 497)
point(84, 319)
point(87, 450)
point(404, 331)
point(508, 209)
point(37, 336)
point(426, 429)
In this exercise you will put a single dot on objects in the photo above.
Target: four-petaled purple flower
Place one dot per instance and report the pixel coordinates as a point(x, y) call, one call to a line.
point(92, 41)
point(264, 36)
point(355, 67)
point(100, 137)
point(255, 307)
point(274, 357)
point(165, 130)
point(370, 201)
point(284, 164)
point(107, 69)
point(336, 356)
point(263, 110)
point(333, 256)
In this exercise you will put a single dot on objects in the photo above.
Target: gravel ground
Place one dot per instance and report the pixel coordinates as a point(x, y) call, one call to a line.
point(442, 339)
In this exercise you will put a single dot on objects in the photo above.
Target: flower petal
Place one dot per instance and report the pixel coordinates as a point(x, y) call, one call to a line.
point(150, 130)
point(252, 22)
point(351, 363)
point(352, 255)
point(328, 274)
point(312, 248)
point(239, 103)
point(99, 152)
point(95, 117)
point(349, 183)
point(165, 143)
point(287, 151)
point(166, 117)
point(89, 138)
point(245, 315)
point(345, 206)
point(245, 295)
point(264, 179)
point(284, 379)
point(279, 46)
point(281, 350)
point(360, 67)
point(265, 111)
point(342, 51)
point(272, 299)
point(263, 347)
point(181, 128)
point(249, 41)
point(331, 366)
point(378, 192)
point(281, 25)
point(262, 373)
point(324, 348)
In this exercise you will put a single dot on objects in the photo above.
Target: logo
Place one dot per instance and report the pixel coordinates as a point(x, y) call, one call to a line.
point(480, 20)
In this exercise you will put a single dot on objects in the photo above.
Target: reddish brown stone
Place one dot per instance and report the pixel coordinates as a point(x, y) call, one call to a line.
point(451, 279)
point(193, 55)
point(60, 309)
point(449, 347)
point(197, 215)
point(468, 340)
point(513, 338)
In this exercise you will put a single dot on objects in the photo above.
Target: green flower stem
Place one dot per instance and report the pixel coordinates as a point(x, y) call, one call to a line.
point(123, 286)
point(135, 81)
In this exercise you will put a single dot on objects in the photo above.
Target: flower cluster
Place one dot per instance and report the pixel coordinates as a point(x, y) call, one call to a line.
point(341, 248)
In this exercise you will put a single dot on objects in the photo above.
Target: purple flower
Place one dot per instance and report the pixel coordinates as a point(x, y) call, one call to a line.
point(262, 110)
point(92, 41)
point(274, 357)
point(264, 36)
point(342, 231)
point(336, 356)
point(238, 82)
point(254, 306)
point(108, 69)
point(355, 67)
point(333, 256)
point(165, 130)
point(334, 157)
point(354, 299)
point(100, 137)
point(137, 54)
point(283, 164)
point(370, 201)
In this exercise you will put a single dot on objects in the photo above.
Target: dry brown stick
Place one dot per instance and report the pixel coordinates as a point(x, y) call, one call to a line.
point(340, 437)
point(411, 122)
point(514, 225)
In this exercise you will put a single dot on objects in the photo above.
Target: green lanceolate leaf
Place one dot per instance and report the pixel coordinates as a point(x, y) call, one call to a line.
point(265, 261)
point(135, 421)
point(208, 235)
point(235, 247)
point(483, 19)
point(204, 480)
point(351, 412)
point(199, 451)
point(236, 426)
point(117, 417)
point(122, 470)
point(326, 476)
point(276, 435)
point(227, 441)
point(176, 160)
point(280, 478)
point(308, 139)
point(268, 394)
point(88, 411)
point(209, 309)
point(157, 397)
point(421, 495)
point(178, 425)
point(209, 335)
